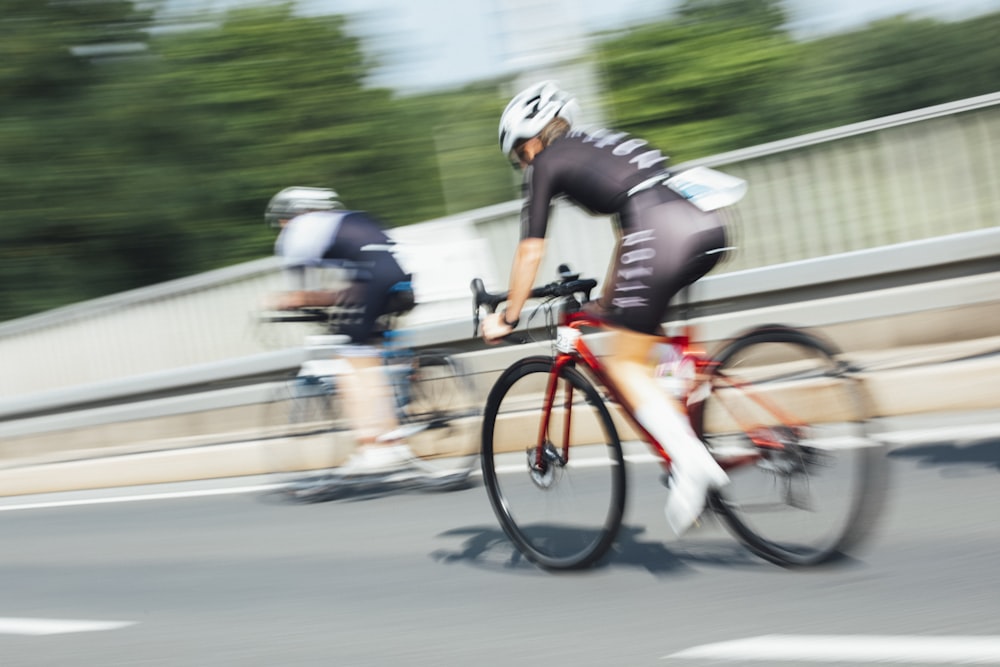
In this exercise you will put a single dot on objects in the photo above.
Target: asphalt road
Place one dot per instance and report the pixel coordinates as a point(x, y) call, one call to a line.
point(224, 575)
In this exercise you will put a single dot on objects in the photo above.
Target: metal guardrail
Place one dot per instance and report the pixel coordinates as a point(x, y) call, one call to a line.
point(906, 177)
point(886, 182)
point(227, 383)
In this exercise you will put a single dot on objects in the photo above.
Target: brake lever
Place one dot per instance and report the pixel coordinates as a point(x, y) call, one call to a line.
point(477, 288)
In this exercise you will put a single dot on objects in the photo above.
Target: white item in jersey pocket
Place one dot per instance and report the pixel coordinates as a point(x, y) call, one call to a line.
point(708, 189)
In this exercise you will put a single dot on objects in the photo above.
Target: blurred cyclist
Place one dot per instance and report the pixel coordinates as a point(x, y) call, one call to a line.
point(664, 244)
point(317, 234)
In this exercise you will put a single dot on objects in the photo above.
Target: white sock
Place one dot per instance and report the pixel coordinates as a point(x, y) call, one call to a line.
point(674, 432)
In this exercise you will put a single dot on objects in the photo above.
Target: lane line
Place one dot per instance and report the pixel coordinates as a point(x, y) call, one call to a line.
point(138, 497)
point(55, 626)
point(925, 650)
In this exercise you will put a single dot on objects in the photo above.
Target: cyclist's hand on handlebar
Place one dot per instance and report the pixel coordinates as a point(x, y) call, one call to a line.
point(284, 301)
point(495, 329)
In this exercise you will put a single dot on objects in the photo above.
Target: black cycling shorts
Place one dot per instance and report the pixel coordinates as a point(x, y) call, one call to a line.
point(667, 243)
point(375, 292)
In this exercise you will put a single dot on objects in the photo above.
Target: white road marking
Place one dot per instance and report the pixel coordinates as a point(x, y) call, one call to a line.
point(137, 498)
point(54, 626)
point(957, 433)
point(925, 650)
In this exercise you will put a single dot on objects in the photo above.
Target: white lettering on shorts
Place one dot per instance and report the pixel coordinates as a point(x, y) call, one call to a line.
point(629, 301)
point(635, 238)
point(633, 266)
point(640, 255)
point(633, 272)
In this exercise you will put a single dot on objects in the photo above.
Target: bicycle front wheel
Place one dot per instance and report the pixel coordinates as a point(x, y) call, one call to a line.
point(563, 514)
point(439, 413)
point(788, 420)
point(303, 429)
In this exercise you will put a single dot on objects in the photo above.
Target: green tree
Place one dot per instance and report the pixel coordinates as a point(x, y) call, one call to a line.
point(694, 84)
point(891, 66)
point(463, 124)
point(52, 54)
point(156, 166)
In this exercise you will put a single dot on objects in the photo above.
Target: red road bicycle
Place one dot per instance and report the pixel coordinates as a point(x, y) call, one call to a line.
point(776, 406)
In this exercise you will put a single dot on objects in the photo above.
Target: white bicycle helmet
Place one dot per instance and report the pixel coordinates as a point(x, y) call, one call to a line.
point(531, 110)
point(293, 201)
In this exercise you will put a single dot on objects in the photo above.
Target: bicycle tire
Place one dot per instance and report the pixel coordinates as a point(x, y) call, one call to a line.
point(438, 408)
point(807, 488)
point(556, 519)
point(303, 430)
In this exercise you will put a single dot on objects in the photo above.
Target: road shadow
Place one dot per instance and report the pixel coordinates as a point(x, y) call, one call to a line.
point(983, 453)
point(308, 491)
point(489, 548)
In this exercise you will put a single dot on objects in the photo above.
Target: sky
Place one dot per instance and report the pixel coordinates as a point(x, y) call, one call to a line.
point(435, 44)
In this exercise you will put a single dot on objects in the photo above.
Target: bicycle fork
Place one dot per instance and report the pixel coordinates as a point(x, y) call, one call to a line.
point(546, 455)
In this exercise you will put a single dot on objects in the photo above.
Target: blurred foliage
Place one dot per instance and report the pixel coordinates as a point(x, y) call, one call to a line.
point(130, 155)
point(695, 86)
point(726, 74)
point(892, 66)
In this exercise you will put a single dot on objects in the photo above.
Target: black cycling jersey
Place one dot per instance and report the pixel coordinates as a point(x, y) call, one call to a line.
point(596, 171)
point(666, 242)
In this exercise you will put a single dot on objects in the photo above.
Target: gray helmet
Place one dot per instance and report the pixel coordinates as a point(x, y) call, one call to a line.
point(531, 110)
point(293, 201)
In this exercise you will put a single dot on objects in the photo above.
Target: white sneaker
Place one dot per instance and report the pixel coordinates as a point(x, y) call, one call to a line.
point(689, 494)
point(694, 472)
point(370, 459)
point(401, 432)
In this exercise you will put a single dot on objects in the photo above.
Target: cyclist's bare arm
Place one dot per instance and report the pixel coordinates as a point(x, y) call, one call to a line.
point(304, 299)
point(527, 259)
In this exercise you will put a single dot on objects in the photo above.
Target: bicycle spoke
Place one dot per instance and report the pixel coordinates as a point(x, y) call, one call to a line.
point(440, 414)
point(560, 515)
point(302, 430)
point(790, 426)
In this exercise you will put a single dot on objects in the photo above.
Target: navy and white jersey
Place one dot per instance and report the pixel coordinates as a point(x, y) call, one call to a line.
point(328, 237)
point(316, 246)
point(305, 238)
point(594, 170)
point(331, 239)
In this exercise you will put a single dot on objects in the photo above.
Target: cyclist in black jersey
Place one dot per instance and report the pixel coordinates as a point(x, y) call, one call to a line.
point(318, 235)
point(665, 243)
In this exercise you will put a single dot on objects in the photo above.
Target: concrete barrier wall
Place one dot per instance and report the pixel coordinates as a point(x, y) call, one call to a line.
point(958, 319)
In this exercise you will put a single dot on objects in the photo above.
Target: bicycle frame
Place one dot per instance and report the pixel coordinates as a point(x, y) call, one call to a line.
point(578, 350)
point(575, 349)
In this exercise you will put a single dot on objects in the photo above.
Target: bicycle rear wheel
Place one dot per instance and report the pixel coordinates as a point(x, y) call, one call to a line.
point(565, 515)
point(788, 421)
point(438, 413)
